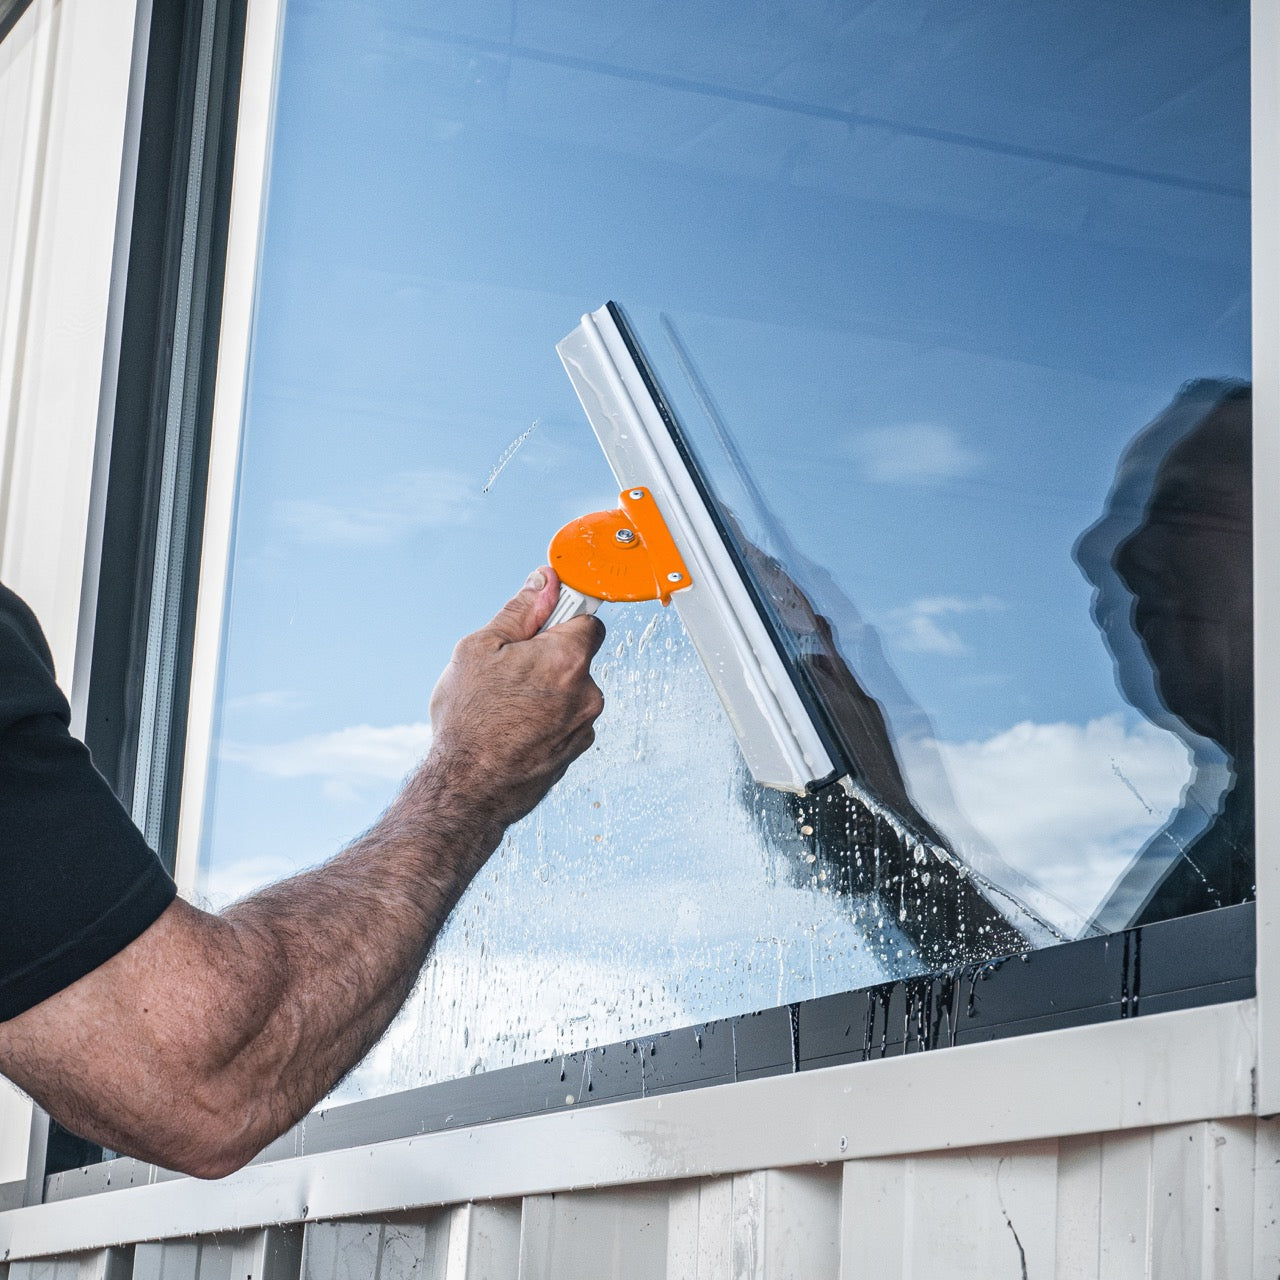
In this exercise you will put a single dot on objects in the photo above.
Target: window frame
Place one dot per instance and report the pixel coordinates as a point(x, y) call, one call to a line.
point(1212, 1061)
point(258, 95)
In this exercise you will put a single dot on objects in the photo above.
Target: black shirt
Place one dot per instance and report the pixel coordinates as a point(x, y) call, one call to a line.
point(77, 881)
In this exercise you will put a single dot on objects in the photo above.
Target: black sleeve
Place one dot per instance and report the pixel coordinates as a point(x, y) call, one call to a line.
point(77, 881)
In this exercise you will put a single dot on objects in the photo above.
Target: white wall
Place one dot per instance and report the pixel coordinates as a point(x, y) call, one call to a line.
point(64, 85)
point(64, 89)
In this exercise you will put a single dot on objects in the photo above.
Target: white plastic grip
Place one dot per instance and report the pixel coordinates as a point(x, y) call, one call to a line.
point(571, 604)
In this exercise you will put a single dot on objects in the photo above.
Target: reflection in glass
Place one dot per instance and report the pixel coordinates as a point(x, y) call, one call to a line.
point(1171, 563)
point(936, 264)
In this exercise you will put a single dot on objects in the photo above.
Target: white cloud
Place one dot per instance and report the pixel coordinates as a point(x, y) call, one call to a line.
point(915, 453)
point(228, 882)
point(916, 627)
point(400, 506)
point(268, 700)
point(1069, 804)
point(344, 758)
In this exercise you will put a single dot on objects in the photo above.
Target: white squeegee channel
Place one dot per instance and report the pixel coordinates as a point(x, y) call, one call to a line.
point(777, 736)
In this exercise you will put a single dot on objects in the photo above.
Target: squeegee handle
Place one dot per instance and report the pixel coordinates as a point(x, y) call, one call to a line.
point(572, 604)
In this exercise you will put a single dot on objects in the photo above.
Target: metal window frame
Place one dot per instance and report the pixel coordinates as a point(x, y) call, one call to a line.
point(145, 504)
point(1265, 57)
point(153, 513)
point(1170, 1071)
point(1214, 1061)
point(1265, 77)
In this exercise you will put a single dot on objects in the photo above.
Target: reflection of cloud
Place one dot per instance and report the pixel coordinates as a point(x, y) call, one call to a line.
point(228, 882)
point(916, 453)
point(268, 700)
point(1069, 804)
point(343, 758)
point(401, 505)
point(916, 628)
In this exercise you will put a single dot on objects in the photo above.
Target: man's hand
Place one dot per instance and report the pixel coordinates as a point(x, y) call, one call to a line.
point(211, 1034)
point(515, 708)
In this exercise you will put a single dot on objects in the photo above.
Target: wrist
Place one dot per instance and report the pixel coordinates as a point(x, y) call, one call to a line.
point(441, 813)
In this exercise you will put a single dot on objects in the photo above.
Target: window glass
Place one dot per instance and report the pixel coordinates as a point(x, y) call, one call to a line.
point(953, 305)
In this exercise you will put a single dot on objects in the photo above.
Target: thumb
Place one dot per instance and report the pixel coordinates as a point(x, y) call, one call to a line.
point(526, 611)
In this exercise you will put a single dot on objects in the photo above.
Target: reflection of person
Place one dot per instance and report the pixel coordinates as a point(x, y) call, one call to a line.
point(192, 1039)
point(1171, 561)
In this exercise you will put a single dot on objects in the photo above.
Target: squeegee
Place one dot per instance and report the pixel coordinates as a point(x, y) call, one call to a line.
point(670, 540)
point(801, 717)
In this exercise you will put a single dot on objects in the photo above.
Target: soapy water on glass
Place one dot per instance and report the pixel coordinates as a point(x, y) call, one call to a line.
point(744, 906)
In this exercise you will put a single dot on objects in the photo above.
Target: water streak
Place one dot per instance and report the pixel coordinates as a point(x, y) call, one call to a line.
point(507, 454)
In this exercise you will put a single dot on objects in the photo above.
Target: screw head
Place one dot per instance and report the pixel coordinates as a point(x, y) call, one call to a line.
point(625, 535)
point(675, 577)
point(636, 494)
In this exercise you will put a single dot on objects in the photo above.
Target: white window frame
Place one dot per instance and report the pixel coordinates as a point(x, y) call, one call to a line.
point(59, 343)
point(1201, 1027)
point(1211, 1062)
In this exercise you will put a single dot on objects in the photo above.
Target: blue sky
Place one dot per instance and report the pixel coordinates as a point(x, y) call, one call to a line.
point(938, 263)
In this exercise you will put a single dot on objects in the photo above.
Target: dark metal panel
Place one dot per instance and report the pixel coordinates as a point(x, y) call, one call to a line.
point(157, 292)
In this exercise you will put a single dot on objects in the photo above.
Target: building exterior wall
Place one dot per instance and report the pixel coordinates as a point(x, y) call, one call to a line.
point(919, 1170)
point(1196, 1200)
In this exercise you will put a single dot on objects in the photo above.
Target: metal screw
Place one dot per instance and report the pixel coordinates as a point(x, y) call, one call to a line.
point(675, 577)
point(625, 535)
point(844, 1144)
point(636, 493)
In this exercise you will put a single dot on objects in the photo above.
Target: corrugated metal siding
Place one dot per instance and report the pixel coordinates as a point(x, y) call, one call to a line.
point(64, 89)
point(1182, 1202)
point(26, 69)
point(23, 68)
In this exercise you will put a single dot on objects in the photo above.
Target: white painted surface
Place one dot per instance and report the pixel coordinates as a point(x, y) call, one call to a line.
point(273, 1254)
point(1179, 1202)
point(1171, 1202)
point(59, 329)
point(25, 75)
point(1167, 1069)
point(484, 1242)
point(254, 131)
point(1266, 484)
point(103, 1264)
point(65, 74)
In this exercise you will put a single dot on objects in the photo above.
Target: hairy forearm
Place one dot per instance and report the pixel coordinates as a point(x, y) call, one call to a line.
point(239, 1023)
point(208, 1035)
point(337, 949)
